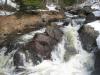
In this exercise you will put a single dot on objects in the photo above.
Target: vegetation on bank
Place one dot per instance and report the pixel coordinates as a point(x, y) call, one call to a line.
point(69, 2)
point(35, 4)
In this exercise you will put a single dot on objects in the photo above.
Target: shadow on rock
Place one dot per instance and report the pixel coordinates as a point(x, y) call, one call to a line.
point(40, 47)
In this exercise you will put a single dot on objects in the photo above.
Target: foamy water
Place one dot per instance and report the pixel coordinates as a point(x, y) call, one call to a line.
point(68, 57)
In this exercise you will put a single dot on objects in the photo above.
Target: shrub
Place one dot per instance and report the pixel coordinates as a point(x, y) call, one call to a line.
point(33, 3)
point(69, 2)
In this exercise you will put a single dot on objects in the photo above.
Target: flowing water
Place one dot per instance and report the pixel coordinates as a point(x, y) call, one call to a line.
point(68, 57)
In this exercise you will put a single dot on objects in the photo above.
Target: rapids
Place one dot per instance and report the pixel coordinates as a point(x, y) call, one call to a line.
point(68, 57)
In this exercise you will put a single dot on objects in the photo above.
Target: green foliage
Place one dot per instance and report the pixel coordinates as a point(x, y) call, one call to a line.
point(33, 3)
point(69, 2)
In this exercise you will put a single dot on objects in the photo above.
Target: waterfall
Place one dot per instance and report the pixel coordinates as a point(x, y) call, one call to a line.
point(6, 62)
point(68, 57)
point(80, 62)
point(52, 4)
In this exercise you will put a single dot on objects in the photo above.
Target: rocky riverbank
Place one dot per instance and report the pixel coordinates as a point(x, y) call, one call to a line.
point(17, 25)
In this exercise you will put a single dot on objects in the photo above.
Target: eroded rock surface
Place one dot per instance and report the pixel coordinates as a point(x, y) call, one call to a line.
point(88, 37)
point(40, 47)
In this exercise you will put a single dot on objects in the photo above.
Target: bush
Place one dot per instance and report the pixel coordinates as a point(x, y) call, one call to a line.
point(69, 2)
point(33, 3)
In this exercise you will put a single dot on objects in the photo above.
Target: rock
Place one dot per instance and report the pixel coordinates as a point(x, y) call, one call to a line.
point(38, 49)
point(74, 12)
point(44, 43)
point(86, 12)
point(90, 17)
point(19, 59)
point(65, 23)
point(88, 37)
point(87, 9)
point(45, 39)
point(54, 32)
point(25, 55)
point(97, 64)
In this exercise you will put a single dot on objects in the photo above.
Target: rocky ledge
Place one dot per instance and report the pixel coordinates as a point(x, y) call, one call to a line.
point(40, 47)
point(16, 25)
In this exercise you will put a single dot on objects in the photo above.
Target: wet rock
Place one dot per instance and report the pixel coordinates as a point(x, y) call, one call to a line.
point(87, 9)
point(54, 32)
point(19, 58)
point(85, 12)
point(74, 12)
point(88, 37)
point(97, 64)
point(90, 17)
point(39, 48)
point(65, 23)
point(43, 45)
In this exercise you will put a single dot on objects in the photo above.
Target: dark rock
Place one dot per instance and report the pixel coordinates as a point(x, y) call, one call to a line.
point(65, 23)
point(97, 64)
point(87, 9)
point(39, 48)
point(74, 12)
point(88, 37)
point(44, 43)
point(19, 59)
point(90, 17)
point(42, 38)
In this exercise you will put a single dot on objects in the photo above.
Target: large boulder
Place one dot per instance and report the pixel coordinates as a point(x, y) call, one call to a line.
point(97, 64)
point(44, 43)
point(54, 32)
point(88, 37)
point(18, 59)
point(40, 47)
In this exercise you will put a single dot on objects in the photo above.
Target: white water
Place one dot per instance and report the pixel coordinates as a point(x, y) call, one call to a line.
point(79, 63)
point(51, 7)
point(97, 13)
point(9, 2)
point(96, 6)
point(92, 3)
point(6, 13)
point(6, 65)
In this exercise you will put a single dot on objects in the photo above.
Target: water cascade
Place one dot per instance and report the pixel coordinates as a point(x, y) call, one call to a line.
point(68, 57)
point(52, 4)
